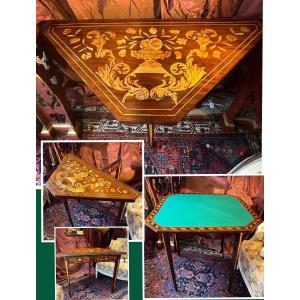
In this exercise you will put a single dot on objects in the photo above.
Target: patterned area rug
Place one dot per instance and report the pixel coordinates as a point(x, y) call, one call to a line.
point(199, 155)
point(91, 288)
point(100, 128)
point(188, 147)
point(83, 214)
point(197, 276)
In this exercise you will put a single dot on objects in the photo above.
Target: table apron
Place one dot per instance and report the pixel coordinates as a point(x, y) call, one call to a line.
point(91, 259)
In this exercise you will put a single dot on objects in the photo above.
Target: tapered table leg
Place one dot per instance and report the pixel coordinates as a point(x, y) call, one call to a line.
point(117, 262)
point(121, 213)
point(235, 254)
point(68, 278)
point(238, 251)
point(176, 244)
point(222, 242)
point(151, 134)
point(68, 211)
point(166, 238)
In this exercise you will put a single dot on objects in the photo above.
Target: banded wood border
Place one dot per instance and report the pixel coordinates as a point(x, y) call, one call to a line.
point(157, 228)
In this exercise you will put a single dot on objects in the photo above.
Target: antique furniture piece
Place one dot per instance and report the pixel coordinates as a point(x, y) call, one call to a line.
point(251, 262)
point(202, 213)
point(73, 178)
point(107, 267)
point(91, 255)
point(150, 71)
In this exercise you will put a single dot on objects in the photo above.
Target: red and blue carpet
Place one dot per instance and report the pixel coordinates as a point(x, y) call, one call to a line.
point(196, 276)
point(91, 288)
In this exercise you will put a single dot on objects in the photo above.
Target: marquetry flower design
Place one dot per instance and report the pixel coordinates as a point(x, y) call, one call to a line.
point(178, 54)
point(92, 43)
point(181, 41)
point(231, 38)
point(73, 176)
point(74, 40)
point(153, 30)
point(122, 41)
point(244, 29)
point(156, 43)
point(122, 53)
point(211, 43)
point(239, 33)
point(67, 31)
point(130, 30)
point(216, 54)
point(151, 45)
point(86, 55)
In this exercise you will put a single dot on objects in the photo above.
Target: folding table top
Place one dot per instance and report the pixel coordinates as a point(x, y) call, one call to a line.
point(152, 71)
point(202, 212)
point(75, 178)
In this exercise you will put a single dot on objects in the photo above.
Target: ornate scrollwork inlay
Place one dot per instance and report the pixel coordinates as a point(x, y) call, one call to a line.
point(151, 46)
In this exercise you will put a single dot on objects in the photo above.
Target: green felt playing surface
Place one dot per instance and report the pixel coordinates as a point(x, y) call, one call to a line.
point(196, 210)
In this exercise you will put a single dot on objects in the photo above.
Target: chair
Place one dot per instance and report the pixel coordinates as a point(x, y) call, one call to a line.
point(107, 268)
point(59, 292)
point(251, 165)
point(134, 219)
point(251, 262)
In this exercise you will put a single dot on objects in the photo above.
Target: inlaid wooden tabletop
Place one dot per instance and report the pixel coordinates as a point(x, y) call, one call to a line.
point(152, 71)
point(90, 252)
point(202, 213)
point(75, 178)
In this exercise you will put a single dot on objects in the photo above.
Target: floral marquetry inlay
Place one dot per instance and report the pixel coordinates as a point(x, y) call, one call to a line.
point(73, 177)
point(141, 67)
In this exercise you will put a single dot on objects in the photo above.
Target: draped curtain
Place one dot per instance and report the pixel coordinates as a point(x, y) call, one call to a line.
point(248, 188)
point(134, 9)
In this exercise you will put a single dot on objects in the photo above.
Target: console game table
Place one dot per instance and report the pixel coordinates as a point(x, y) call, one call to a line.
point(202, 213)
point(74, 178)
point(150, 71)
point(91, 255)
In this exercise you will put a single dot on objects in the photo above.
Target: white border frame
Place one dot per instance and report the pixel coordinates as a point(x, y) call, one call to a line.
point(193, 175)
point(110, 227)
point(89, 141)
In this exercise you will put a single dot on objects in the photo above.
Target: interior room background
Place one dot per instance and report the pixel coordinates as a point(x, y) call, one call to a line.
point(221, 131)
